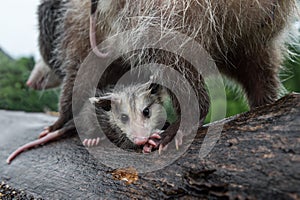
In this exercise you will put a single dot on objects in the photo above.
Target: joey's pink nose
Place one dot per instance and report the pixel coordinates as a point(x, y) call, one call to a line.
point(140, 140)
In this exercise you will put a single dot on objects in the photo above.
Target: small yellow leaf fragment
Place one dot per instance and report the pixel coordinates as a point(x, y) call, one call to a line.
point(129, 175)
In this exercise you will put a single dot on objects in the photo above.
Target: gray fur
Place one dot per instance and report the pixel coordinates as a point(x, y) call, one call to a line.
point(244, 37)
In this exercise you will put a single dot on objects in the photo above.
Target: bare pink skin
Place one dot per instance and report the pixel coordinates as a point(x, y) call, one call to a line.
point(91, 142)
point(140, 141)
point(44, 133)
point(36, 84)
point(41, 77)
point(44, 138)
point(93, 38)
point(153, 142)
point(147, 148)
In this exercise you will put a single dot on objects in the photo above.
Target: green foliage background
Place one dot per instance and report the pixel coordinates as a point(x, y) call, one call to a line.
point(15, 95)
point(290, 78)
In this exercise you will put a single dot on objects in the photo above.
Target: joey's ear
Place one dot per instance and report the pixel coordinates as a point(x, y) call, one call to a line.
point(155, 88)
point(102, 102)
point(94, 100)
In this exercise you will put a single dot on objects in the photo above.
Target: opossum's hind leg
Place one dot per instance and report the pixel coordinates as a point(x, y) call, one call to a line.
point(45, 139)
point(65, 104)
point(172, 131)
point(258, 74)
point(69, 126)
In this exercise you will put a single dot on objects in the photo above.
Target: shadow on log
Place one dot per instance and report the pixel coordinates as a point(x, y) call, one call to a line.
point(256, 157)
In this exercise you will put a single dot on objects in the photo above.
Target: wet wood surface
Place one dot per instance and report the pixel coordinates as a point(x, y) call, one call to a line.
point(257, 156)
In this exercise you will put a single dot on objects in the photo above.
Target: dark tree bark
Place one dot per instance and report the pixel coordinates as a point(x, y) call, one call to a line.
point(256, 157)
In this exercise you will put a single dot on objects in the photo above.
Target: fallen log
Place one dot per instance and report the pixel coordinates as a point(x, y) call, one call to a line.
point(257, 156)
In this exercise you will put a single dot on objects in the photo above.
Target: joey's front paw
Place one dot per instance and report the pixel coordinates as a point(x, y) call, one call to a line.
point(160, 140)
point(91, 142)
point(153, 142)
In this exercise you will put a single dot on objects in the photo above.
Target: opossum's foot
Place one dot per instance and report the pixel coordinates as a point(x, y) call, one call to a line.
point(44, 133)
point(153, 145)
point(141, 140)
point(161, 139)
point(162, 148)
point(57, 125)
point(178, 139)
point(178, 142)
point(152, 142)
point(147, 148)
point(91, 142)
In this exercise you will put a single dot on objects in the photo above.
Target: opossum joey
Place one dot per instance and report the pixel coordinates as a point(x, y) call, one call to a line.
point(139, 112)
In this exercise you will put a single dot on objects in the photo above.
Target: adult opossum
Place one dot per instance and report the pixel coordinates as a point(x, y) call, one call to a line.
point(43, 77)
point(64, 43)
point(47, 72)
point(244, 37)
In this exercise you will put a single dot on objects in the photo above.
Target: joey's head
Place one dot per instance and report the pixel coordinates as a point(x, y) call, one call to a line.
point(137, 110)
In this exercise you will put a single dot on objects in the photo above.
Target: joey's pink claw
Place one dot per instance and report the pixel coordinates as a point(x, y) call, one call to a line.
point(155, 136)
point(147, 149)
point(91, 142)
point(140, 140)
point(87, 142)
point(84, 142)
point(178, 139)
point(95, 141)
point(152, 143)
point(162, 148)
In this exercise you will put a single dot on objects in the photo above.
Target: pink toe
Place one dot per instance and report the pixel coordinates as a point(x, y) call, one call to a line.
point(140, 141)
point(84, 142)
point(89, 142)
point(44, 133)
point(151, 142)
point(97, 141)
point(155, 136)
point(147, 149)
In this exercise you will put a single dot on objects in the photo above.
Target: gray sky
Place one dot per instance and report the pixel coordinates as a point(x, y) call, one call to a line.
point(18, 27)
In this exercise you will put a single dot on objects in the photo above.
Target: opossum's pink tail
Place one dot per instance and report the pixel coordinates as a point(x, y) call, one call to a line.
point(49, 137)
point(93, 37)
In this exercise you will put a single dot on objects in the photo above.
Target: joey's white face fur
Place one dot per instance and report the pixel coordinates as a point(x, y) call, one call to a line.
point(138, 110)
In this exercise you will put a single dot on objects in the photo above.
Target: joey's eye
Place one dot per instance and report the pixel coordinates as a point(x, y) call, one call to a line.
point(124, 118)
point(146, 112)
